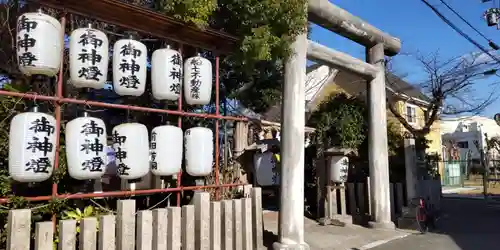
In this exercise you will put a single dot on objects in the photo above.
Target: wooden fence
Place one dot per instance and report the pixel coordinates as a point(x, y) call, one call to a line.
point(227, 224)
point(351, 203)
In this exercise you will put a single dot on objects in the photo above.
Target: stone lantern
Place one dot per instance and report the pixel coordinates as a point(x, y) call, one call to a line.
point(337, 165)
point(333, 174)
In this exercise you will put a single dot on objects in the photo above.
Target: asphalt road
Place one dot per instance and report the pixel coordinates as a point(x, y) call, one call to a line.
point(465, 225)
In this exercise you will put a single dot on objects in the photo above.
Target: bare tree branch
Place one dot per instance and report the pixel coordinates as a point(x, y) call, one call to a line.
point(449, 86)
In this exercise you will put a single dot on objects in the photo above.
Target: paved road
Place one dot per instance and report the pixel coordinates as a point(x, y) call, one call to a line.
point(466, 225)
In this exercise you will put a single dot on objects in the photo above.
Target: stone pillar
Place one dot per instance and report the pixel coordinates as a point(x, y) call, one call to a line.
point(411, 168)
point(291, 216)
point(377, 142)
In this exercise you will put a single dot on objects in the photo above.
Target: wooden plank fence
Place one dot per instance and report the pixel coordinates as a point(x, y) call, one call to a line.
point(214, 225)
point(351, 203)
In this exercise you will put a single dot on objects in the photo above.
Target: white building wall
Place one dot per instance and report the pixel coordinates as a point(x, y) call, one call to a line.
point(469, 129)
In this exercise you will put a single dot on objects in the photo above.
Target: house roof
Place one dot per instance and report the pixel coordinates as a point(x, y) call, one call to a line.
point(353, 85)
point(356, 85)
point(399, 85)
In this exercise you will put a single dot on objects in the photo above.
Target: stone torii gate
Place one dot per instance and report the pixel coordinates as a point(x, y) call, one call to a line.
point(378, 44)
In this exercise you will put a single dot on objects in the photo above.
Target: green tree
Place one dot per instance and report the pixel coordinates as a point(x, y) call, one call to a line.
point(253, 73)
point(340, 122)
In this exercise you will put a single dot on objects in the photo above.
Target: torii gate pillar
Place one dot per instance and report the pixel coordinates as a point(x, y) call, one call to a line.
point(377, 142)
point(291, 216)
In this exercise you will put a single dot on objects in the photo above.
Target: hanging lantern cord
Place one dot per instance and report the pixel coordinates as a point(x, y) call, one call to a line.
point(88, 107)
point(35, 104)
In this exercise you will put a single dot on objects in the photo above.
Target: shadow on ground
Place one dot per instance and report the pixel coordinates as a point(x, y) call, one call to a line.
point(471, 223)
point(467, 223)
point(323, 237)
point(269, 239)
point(328, 237)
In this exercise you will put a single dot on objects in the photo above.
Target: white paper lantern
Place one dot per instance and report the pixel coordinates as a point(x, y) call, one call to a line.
point(166, 150)
point(129, 67)
point(264, 164)
point(197, 80)
point(39, 44)
point(199, 144)
point(86, 143)
point(339, 167)
point(131, 145)
point(166, 74)
point(89, 57)
point(32, 147)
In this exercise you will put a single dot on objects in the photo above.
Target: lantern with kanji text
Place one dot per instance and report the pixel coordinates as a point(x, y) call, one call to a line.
point(166, 74)
point(32, 146)
point(39, 43)
point(338, 168)
point(86, 144)
point(131, 146)
point(89, 58)
point(129, 67)
point(197, 80)
point(166, 150)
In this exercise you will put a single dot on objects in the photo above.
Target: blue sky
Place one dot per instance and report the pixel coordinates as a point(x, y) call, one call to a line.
point(420, 30)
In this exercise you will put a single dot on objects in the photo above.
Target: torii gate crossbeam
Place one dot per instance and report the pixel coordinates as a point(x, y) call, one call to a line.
point(326, 14)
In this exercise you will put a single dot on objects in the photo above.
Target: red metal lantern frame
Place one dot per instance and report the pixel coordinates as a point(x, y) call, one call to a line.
point(58, 100)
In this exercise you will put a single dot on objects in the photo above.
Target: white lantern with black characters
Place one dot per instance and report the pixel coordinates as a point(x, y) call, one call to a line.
point(197, 80)
point(32, 146)
point(199, 144)
point(129, 67)
point(131, 146)
point(339, 167)
point(86, 148)
point(39, 44)
point(166, 74)
point(166, 150)
point(89, 58)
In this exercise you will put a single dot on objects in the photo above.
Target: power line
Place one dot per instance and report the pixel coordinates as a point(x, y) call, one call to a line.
point(460, 31)
point(492, 44)
point(463, 19)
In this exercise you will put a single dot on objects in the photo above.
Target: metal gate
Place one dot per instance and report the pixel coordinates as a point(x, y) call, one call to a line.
point(453, 173)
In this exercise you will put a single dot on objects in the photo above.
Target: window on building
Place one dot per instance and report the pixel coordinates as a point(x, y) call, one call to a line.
point(463, 144)
point(411, 114)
